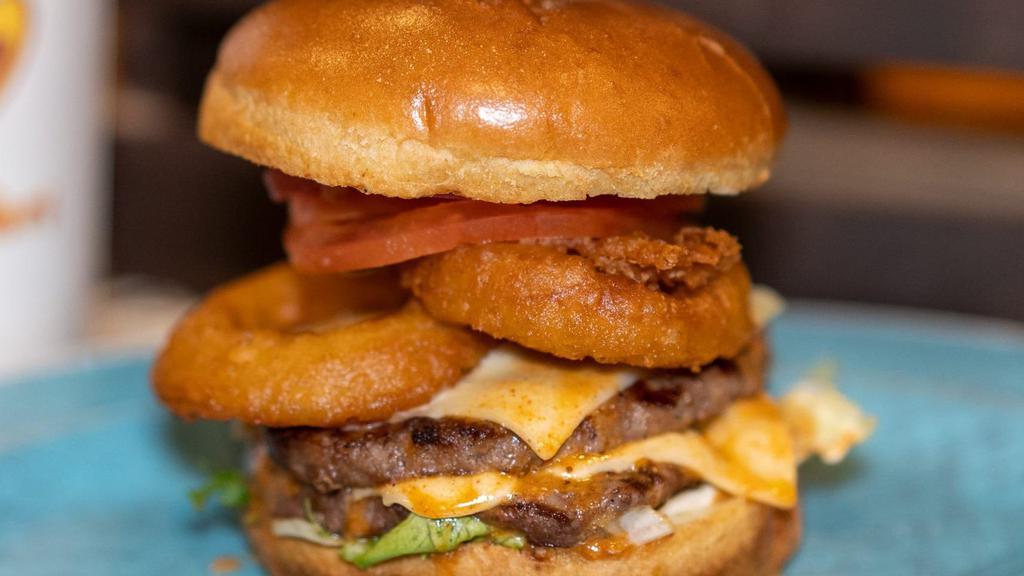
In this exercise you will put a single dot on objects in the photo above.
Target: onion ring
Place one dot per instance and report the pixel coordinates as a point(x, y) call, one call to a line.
point(547, 299)
point(252, 352)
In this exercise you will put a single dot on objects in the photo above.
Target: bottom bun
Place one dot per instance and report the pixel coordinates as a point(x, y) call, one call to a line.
point(735, 538)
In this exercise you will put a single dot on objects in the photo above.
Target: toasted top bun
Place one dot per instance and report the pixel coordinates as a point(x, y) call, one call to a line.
point(507, 101)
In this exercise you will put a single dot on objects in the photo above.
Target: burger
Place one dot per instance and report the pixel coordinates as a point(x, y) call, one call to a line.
point(502, 339)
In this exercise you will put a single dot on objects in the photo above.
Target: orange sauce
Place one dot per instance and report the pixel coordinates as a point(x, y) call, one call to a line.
point(605, 547)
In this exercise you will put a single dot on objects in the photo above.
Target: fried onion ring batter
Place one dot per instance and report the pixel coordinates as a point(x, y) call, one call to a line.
point(280, 349)
point(631, 300)
point(693, 259)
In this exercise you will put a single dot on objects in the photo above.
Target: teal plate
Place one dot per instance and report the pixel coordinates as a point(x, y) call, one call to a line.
point(94, 475)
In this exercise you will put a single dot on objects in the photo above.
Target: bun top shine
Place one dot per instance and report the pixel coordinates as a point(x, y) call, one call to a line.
point(497, 100)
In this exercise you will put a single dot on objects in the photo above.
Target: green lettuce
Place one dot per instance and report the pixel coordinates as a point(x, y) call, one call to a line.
point(228, 486)
point(419, 535)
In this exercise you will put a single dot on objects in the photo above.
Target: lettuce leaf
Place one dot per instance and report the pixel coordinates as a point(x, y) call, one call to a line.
point(228, 486)
point(419, 535)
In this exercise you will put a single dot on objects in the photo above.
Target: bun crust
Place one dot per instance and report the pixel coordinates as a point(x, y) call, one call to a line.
point(736, 538)
point(502, 100)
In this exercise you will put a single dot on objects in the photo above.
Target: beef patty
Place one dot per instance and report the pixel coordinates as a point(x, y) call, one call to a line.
point(315, 470)
point(367, 456)
point(552, 512)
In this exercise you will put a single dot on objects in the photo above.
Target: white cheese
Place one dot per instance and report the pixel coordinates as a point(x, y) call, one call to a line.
point(751, 451)
point(539, 398)
point(747, 452)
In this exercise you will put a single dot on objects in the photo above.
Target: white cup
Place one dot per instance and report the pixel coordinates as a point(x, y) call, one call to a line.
point(54, 57)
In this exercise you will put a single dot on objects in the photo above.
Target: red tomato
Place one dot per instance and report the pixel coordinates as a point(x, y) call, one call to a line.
point(309, 201)
point(340, 230)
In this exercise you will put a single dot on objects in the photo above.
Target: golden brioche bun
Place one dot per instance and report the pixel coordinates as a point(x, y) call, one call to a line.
point(736, 538)
point(507, 101)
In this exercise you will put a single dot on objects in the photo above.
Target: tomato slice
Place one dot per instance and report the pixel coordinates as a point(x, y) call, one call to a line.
point(309, 201)
point(340, 230)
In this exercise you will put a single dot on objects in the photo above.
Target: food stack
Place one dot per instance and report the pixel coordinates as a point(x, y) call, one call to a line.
point(502, 340)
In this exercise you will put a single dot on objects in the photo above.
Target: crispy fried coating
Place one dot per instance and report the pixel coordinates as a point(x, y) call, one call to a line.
point(629, 300)
point(693, 259)
point(280, 349)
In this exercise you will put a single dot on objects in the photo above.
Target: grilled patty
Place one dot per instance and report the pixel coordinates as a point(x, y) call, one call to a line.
point(569, 513)
point(553, 513)
point(318, 468)
point(367, 456)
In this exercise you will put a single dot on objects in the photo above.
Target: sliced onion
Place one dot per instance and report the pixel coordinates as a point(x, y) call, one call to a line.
point(300, 529)
point(689, 505)
point(643, 525)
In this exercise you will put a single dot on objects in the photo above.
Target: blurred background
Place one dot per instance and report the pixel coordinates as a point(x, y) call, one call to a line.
point(901, 181)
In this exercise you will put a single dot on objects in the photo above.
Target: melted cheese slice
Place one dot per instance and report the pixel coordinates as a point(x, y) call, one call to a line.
point(747, 452)
point(540, 399)
point(451, 496)
point(751, 451)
